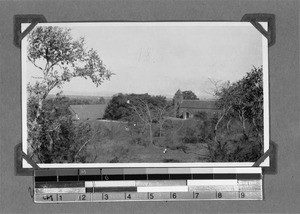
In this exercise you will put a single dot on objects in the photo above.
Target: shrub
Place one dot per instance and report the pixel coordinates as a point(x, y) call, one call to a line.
point(59, 138)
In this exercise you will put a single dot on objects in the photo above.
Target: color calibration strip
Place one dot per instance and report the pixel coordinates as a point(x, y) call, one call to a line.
point(144, 184)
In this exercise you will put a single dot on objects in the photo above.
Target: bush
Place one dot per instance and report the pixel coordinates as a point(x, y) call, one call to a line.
point(202, 115)
point(190, 136)
point(58, 138)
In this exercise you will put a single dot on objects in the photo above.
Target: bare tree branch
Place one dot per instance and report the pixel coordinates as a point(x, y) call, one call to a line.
point(34, 63)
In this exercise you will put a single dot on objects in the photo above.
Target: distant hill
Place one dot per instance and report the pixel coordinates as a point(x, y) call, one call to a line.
point(83, 100)
point(80, 96)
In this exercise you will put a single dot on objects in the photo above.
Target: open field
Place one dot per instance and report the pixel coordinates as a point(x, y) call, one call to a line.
point(117, 142)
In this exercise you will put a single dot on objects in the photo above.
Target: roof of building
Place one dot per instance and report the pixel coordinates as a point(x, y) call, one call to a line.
point(84, 112)
point(198, 104)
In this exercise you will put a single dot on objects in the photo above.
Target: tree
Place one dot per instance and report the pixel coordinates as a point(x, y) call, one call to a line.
point(242, 101)
point(142, 114)
point(189, 95)
point(141, 111)
point(58, 58)
point(60, 137)
point(119, 109)
point(101, 100)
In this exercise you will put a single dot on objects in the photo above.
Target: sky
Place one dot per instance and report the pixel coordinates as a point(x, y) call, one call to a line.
point(160, 58)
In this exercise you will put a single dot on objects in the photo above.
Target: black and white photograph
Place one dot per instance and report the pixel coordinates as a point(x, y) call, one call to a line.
point(173, 106)
point(145, 93)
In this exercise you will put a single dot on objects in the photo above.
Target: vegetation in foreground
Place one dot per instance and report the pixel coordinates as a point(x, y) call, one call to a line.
point(142, 127)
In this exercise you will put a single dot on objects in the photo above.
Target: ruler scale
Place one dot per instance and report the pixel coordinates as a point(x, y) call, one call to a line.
point(146, 184)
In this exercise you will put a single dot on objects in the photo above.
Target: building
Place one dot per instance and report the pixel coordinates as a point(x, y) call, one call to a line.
point(188, 108)
point(88, 112)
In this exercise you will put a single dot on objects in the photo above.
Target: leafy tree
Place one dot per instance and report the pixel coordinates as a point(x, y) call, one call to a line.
point(60, 137)
point(77, 101)
point(119, 109)
point(142, 111)
point(189, 95)
point(58, 58)
point(100, 100)
point(241, 101)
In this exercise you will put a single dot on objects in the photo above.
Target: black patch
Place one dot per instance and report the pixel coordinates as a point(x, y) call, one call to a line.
point(115, 189)
point(180, 176)
point(203, 176)
point(45, 178)
point(248, 176)
point(89, 189)
point(112, 177)
point(90, 177)
point(136, 177)
point(158, 177)
point(68, 178)
point(224, 176)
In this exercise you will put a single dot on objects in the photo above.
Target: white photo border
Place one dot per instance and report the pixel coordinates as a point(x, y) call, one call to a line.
point(265, 55)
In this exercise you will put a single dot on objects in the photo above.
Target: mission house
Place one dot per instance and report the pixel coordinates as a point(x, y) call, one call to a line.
point(188, 108)
point(184, 109)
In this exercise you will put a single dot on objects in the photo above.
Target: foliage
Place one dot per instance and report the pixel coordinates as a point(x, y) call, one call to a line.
point(120, 106)
point(199, 130)
point(117, 108)
point(242, 102)
point(58, 137)
point(58, 58)
point(144, 113)
point(87, 101)
point(201, 115)
point(189, 95)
